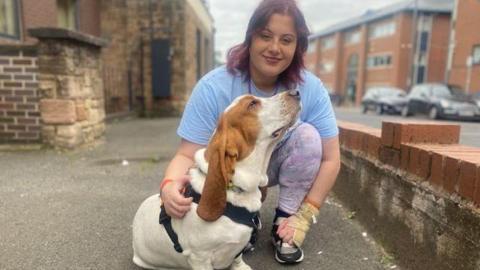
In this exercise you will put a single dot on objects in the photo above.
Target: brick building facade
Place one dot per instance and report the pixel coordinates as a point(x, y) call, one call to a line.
point(465, 43)
point(157, 50)
point(375, 49)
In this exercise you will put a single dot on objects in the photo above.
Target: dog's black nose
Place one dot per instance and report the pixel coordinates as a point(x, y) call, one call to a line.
point(294, 93)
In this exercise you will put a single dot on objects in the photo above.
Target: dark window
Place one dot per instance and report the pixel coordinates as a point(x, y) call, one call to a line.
point(67, 15)
point(9, 23)
point(420, 74)
point(423, 41)
point(199, 54)
point(476, 55)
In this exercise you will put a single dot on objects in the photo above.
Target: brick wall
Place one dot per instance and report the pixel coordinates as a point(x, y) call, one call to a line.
point(19, 111)
point(416, 190)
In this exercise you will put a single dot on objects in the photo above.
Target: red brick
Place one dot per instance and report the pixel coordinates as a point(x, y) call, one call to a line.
point(17, 127)
point(12, 70)
point(414, 159)
point(24, 93)
point(34, 128)
point(374, 142)
point(404, 156)
point(6, 92)
point(14, 99)
point(26, 121)
point(467, 179)
point(388, 131)
point(25, 107)
point(30, 135)
point(389, 156)
point(437, 164)
point(451, 173)
point(424, 164)
point(12, 84)
point(477, 189)
point(396, 133)
point(6, 106)
point(22, 62)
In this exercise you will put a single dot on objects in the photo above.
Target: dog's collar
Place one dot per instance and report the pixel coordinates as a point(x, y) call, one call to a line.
point(234, 188)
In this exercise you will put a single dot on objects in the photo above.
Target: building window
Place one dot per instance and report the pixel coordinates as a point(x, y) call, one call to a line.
point(67, 14)
point(9, 26)
point(312, 45)
point(352, 37)
point(476, 55)
point(379, 61)
point(327, 67)
point(424, 41)
point(328, 43)
point(381, 30)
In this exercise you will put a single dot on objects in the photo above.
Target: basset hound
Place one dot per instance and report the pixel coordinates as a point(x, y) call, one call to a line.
point(228, 173)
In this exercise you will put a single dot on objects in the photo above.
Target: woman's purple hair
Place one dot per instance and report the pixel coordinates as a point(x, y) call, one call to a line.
point(238, 58)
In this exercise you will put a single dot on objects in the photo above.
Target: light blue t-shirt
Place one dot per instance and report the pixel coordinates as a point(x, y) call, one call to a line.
point(217, 89)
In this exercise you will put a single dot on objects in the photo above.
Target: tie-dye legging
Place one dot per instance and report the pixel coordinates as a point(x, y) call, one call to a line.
point(294, 166)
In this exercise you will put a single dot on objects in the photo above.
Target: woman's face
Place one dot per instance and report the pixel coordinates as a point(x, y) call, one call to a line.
point(273, 47)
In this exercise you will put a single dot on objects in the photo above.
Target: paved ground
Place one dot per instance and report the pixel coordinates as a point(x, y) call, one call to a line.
point(73, 210)
point(469, 131)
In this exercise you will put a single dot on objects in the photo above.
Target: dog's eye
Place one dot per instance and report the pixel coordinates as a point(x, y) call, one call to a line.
point(277, 132)
point(253, 104)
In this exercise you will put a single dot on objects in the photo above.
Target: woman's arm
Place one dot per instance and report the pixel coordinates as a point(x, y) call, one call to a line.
point(175, 204)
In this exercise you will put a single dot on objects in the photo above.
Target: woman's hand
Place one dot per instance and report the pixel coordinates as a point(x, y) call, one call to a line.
point(175, 204)
point(286, 232)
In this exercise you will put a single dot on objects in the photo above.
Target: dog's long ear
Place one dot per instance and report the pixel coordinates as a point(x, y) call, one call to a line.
point(222, 155)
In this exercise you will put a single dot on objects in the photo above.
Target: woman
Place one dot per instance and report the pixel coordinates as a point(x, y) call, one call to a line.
point(305, 164)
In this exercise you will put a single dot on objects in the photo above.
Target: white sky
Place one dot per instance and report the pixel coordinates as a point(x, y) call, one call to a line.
point(231, 16)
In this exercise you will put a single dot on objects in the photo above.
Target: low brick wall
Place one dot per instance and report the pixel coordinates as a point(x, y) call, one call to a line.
point(19, 110)
point(416, 190)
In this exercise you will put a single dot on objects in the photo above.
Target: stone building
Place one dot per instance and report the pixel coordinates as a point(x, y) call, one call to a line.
point(375, 49)
point(155, 52)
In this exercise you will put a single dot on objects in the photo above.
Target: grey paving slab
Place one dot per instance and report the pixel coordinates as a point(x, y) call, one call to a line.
point(73, 210)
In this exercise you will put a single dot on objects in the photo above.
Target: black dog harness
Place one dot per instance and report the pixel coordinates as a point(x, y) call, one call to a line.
point(235, 213)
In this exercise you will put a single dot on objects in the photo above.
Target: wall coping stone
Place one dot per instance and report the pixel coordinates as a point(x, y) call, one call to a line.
point(61, 33)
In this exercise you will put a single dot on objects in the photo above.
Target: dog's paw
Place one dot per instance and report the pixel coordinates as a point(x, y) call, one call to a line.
point(240, 265)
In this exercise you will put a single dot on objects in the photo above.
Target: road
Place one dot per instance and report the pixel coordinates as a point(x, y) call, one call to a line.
point(73, 210)
point(469, 131)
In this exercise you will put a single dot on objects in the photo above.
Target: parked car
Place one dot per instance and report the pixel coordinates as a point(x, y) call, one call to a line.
point(476, 98)
point(389, 100)
point(439, 101)
point(335, 98)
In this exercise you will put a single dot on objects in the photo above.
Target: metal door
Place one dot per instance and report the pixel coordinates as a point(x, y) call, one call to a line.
point(160, 68)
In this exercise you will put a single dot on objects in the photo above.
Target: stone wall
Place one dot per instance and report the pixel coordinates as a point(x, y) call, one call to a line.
point(130, 25)
point(19, 110)
point(71, 87)
point(416, 190)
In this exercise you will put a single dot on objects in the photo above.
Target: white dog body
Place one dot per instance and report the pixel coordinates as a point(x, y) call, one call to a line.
point(215, 244)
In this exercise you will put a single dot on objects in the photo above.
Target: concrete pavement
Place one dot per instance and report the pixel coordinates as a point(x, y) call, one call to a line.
point(73, 210)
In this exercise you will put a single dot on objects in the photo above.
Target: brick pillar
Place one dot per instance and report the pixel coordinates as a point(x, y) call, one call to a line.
point(71, 89)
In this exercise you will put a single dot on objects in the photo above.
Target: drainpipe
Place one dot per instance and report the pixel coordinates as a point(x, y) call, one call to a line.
point(413, 43)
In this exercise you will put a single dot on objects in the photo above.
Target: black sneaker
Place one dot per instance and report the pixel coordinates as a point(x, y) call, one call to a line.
point(253, 238)
point(284, 252)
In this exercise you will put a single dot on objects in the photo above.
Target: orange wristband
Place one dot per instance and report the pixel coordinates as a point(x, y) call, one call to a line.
point(164, 183)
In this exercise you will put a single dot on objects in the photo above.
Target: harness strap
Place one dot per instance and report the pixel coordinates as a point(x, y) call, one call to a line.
point(235, 213)
point(166, 221)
